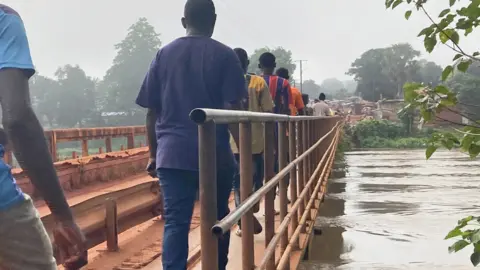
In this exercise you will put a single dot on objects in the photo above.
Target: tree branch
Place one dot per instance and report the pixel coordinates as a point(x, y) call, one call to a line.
point(457, 49)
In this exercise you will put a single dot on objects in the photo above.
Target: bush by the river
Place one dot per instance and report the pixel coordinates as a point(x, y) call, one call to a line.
point(387, 134)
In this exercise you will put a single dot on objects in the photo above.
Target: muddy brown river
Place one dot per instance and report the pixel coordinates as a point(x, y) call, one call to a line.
point(393, 210)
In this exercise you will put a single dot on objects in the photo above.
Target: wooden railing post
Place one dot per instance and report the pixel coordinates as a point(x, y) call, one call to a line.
point(208, 194)
point(269, 158)
point(108, 144)
point(293, 173)
point(53, 145)
point(301, 173)
point(282, 163)
point(246, 188)
point(111, 225)
point(84, 147)
point(131, 140)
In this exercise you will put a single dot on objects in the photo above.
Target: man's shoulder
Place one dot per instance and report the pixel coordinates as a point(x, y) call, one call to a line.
point(8, 10)
point(257, 82)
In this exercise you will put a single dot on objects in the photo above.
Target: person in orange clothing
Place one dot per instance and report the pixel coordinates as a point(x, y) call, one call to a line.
point(297, 107)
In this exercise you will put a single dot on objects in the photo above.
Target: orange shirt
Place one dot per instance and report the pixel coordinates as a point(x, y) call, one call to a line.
point(297, 101)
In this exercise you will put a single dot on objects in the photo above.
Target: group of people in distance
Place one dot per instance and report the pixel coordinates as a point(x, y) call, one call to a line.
point(194, 71)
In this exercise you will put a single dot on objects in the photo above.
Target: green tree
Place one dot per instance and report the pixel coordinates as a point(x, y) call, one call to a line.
point(76, 97)
point(458, 17)
point(381, 72)
point(429, 73)
point(311, 88)
point(350, 85)
point(124, 78)
point(331, 85)
point(283, 56)
point(45, 97)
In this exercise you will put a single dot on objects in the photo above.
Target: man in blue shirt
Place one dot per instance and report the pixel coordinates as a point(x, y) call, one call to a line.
point(191, 72)
point(24, 243)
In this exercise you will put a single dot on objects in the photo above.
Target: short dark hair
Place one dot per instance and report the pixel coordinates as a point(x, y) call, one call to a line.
point(321, 96)
point(283, 73)
point(200, 14)
point(305, 99)
point(242, 56)
point(267, 60)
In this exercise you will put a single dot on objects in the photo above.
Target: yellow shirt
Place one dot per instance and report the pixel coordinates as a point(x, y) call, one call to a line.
point(259, 100)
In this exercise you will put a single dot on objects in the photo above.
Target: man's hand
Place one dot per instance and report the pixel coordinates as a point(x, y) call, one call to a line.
point(152, 168)
point(69, 244)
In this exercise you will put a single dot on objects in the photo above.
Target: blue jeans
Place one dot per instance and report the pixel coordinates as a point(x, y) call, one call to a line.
point(179, 188)
point(257, 160)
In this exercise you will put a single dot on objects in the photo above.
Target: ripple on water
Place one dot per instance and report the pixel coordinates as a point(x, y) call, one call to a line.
point(393, 211)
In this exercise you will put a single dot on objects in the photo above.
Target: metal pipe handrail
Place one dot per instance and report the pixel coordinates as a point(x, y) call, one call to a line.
point(296, 234)
point(201, 116)
point(232, 218)
point(270, 250)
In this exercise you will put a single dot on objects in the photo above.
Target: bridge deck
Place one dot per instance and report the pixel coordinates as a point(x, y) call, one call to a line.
point(235, 253)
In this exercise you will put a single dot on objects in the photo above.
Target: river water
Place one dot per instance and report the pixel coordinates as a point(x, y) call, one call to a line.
point(393, 210)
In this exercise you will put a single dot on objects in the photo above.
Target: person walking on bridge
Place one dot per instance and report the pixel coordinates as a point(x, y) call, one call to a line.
point(321, 108)
point(297, 106)
point(25, 244)
point(259, 100)
point(194, 71)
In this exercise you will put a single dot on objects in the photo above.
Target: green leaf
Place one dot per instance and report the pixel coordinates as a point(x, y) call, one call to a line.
point(441, 89)
point(466, 143)
point(430, 150)
point(464, 221)
point(452, 2)
point(396, 3)
point(463, 66)
point(474, 150)
point(475, 258)
point(455, 37)
point(427, 31)
point(457, 56)
point(446, 72)
point(457, 246)
point(453, 233)
point(444, 12)
point(430, 43)
point(475, 237)
point(476, 53)
point(408, 14)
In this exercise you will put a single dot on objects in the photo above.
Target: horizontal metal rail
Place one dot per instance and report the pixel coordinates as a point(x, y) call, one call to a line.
point(296, 234)
point(201, 116)
point(311, 146)
point(229, 221)
point(286, 221)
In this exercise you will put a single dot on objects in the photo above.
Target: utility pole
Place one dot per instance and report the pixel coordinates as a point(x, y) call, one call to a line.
point(301, 73)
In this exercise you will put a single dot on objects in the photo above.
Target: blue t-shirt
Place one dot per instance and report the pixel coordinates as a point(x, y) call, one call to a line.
point(10, 193)
point(191, 72)
point(14, 53)
point(14, 48)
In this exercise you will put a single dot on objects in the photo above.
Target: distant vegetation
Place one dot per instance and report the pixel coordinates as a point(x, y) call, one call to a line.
point(387, 134)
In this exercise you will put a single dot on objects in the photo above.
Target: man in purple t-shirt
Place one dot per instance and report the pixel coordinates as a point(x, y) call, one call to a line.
point(191, 72)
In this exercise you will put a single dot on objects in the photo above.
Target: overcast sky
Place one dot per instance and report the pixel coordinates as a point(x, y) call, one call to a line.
point(330, 34)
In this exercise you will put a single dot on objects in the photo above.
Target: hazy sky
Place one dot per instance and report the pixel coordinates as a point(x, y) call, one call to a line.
point(330, 34)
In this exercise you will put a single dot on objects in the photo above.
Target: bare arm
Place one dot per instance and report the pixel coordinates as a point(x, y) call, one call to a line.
point(151, 136)
point(28, 140)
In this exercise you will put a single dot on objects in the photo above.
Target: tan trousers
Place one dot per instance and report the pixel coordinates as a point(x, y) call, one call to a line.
point(24, 243)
